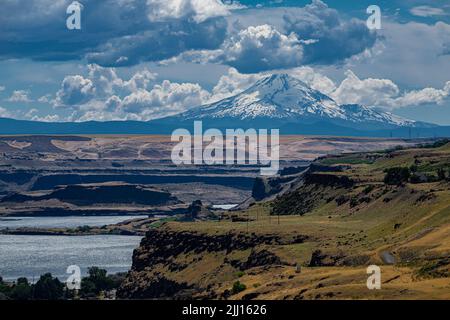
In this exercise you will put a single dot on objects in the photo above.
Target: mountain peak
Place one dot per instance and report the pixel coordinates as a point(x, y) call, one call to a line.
point(287, 99)
point(280, 80)
point(279, 96)
point(280, 77)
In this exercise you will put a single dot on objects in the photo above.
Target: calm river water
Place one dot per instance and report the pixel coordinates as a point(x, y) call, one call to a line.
point(31, 256)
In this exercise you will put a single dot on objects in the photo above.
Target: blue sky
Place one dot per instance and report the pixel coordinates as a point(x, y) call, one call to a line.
point(145, 59)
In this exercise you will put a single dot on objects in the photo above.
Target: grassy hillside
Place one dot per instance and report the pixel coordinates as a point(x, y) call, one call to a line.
point(388, 208)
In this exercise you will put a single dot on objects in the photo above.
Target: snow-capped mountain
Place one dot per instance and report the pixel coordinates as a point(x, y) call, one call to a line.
point(276, 102)
point(280, 98)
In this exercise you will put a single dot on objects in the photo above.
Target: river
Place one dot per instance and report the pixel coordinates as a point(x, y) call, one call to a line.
point(61, 222)
point(30, 256)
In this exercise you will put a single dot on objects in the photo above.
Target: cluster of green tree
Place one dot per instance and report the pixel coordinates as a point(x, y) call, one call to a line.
point(436, 144)
point(397, 175)
point(46, 288)
point(238, 287)
point(432, 145)
point(401, 175)
point(98, 281)
point(50, 288)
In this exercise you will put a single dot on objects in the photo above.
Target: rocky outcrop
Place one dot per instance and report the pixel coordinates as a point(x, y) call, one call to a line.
point(157, 287)
point(158, 259)
point(265, 188)
point(160, 246)
point(93, 194)
point(260, 189)
point(260, 258)
point(322, 259)
point(197, 211)
point(309, 191)
point(327, 180)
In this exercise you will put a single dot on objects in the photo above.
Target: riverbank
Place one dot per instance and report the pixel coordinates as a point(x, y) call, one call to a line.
point(129, 227)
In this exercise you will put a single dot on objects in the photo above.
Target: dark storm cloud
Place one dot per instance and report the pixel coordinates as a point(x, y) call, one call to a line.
point(333, 39)
point(164, 42)
point(314, 34)
point(127, 32)
point(36, 29)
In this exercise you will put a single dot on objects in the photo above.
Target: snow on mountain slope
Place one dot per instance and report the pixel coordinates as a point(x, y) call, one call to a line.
point(360, 113)
point(284, 98)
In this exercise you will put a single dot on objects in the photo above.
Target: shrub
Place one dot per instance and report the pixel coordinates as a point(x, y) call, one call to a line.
point(431, 178)
point(22, 290)
point(397, 175)
point(238, 287)
point(434, 269)
point(97, 281)
point(354, 202)
point(368, 189)
point(84, 229)
point(437, 144)
point(88, 288)
point(341, 200)
point(441, 174)
point(4, 288)
point(48, 288)
point(415, 179)
point(364, 199)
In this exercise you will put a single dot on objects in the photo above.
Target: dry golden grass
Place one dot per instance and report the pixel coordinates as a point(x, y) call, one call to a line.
point(411, 223)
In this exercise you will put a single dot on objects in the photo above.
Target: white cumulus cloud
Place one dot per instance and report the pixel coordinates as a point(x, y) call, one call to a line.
point(75, 90)
point(32, 114)
point(314, 79)
point(353, 90)
point(232, 83)
point(103, 95)
point(198, 10)
point(260, 48)
point(4, 113)
point(103, 79)
point(423, 96)
point(19, 96)
point(45, 98)
point(164, 99)
point(140, 80)
point(427, 11)
point(384, 93)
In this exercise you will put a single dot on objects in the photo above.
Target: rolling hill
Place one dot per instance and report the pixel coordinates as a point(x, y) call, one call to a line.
point(316, 240)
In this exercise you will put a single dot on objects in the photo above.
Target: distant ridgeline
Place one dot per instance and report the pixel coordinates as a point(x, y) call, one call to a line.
point(14, 127)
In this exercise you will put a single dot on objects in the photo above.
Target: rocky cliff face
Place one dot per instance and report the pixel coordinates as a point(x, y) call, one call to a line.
point(93, 194)
point(183, 264)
